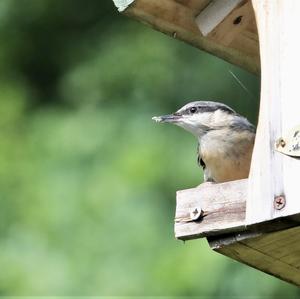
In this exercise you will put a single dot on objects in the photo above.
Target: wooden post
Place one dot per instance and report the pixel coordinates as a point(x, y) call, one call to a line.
point(272, 173)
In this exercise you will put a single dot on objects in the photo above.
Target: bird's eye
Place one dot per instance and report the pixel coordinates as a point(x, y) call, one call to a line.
point(193, 109)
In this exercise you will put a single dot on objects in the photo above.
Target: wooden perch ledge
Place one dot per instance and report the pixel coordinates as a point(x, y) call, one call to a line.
point(218, 211)
point(210, 209)
point(214, 210)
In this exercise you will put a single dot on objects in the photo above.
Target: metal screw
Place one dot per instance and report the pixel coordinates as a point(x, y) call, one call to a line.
point(279, 202)
point(195, 213)
point(280, 142)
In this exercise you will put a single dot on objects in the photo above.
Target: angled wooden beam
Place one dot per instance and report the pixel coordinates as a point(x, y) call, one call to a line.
point(238, 29)
point(177, 18)
point(276, 253)
point(210, 17)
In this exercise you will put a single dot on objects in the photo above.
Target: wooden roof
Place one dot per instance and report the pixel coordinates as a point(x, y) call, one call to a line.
point(226, 28)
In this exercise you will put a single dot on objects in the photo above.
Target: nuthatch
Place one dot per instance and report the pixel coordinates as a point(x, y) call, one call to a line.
point(225, 138)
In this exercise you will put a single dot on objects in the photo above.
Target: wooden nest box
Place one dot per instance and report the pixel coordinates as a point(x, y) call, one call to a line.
point(255, 221)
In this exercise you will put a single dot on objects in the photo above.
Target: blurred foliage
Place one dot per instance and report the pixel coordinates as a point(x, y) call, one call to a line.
point(88, 181)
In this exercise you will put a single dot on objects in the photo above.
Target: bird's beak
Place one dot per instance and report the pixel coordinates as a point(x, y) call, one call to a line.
point(170, 118)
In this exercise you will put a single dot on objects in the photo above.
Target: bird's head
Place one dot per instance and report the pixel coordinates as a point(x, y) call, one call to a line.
point(200, 117)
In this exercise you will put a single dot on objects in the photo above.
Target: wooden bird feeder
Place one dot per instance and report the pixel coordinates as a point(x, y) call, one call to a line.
point(256, 220)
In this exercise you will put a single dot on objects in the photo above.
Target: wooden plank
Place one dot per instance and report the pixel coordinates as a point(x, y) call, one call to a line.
point(177, 19)
point(214, 14)
point(276, 253)
point(273, 174)
point(195, 5)
point(247, 42)
point(168, 15)
point(238, 30)
point(219, 210)
point(223, 207)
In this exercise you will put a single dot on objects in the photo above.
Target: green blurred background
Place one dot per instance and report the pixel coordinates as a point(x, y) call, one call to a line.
point(88, 181)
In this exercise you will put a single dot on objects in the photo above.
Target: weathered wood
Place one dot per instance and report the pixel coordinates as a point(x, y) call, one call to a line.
point(219, 209)
point(276, 253)
point(223, 207)
point(177, 19)
point(238, 29)
point(195, 5)
point(214, 14)
point(272, 173)
point(263, 236)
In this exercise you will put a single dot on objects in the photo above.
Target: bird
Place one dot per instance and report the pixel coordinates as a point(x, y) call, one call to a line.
point(225, 138)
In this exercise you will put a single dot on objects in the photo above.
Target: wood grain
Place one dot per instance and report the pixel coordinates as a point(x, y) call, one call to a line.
point(237, 29)
point(214, 14)
point(272, 173)
point(276, 253)
point(177, 19)
point(223, 207)
point(234, 232)
point(195, 5)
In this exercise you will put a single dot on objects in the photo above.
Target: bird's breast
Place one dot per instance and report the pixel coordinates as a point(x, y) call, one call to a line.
point(227, 154)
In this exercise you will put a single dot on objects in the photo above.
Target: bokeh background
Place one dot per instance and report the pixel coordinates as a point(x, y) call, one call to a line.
point(88, 181)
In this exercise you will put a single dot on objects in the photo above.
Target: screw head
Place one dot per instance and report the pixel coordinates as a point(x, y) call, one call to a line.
point(279, 202)
point(280, 143)
point(195, 213)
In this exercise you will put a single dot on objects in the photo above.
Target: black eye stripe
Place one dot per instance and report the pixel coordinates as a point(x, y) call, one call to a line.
point(202, 109)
